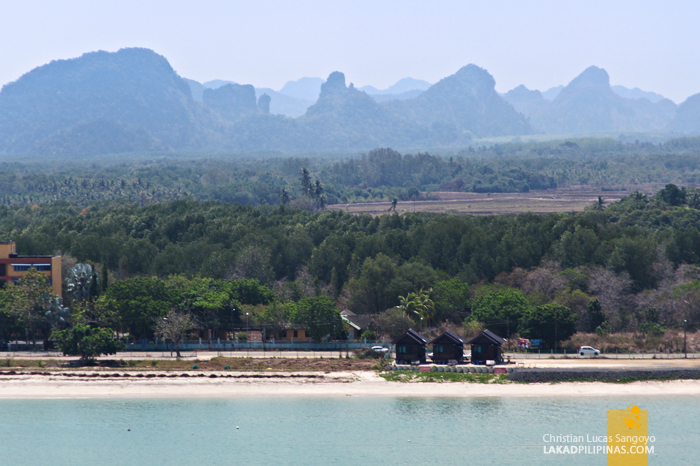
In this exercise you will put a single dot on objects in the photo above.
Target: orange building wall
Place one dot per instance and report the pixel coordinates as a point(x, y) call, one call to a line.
point(301, 335)
point(6, 249)
point(55, 274)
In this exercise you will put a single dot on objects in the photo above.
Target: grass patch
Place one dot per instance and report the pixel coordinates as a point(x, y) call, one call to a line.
point(414, 377)
point(624, 380)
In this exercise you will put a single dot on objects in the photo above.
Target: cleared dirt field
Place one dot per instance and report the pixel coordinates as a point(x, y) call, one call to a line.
point(571, 199)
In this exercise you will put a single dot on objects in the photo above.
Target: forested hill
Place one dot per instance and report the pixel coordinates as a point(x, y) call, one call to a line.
point(128, 100)
point(588, 104)
point(133, 101)
point(462, 106)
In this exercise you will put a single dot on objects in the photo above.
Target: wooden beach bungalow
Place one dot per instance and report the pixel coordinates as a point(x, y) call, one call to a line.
point(486, 347)
point(448, 347)
point(410, 347)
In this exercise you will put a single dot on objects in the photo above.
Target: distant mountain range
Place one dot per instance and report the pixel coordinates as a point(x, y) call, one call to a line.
point(132, 100)
point(133, 89)
point(622, 91)
point(296, 97)
point(400, 87)
point(588, 104)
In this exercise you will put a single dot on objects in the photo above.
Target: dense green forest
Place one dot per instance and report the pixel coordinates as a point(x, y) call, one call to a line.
point(377, 175)
point(215, 238)
point(631, 266)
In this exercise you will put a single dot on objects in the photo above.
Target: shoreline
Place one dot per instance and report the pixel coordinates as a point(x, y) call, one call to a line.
point(308, 384)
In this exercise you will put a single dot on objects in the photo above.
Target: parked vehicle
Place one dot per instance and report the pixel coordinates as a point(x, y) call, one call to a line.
point(588, 351)
point(380, 349)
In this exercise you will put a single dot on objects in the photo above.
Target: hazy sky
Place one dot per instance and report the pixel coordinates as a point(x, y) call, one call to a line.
point(653, 45)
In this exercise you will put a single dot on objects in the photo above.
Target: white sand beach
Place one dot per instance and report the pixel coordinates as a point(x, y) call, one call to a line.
point(307, 384)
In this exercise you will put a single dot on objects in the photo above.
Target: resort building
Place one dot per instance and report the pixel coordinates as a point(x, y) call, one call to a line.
point(486, 347)
point(410, 347)
point(13, 267)
point(354, 324)
point(292, 334)
point(448, 347)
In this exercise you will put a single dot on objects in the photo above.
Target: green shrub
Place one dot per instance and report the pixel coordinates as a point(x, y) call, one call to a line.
point(87, 342)
point(603, 329)
point(652, 329)
point(369, 335)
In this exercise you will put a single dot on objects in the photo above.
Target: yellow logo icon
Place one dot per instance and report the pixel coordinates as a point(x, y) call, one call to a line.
point(634, 418)
point(628, 436)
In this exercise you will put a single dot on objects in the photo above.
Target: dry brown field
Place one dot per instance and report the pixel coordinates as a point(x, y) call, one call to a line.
point(570, 199)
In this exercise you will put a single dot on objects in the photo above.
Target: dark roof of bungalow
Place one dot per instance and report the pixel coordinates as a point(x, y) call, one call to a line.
point(486, 337)
point(448, 337)
point(412, 336)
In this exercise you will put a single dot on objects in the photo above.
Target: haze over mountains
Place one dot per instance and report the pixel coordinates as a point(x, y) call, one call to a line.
point(133, 100)
point(588, 104)
point(296, 97)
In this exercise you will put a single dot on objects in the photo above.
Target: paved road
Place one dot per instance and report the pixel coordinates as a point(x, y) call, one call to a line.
point(604, 356)
point(544, 359)
point(201, 355)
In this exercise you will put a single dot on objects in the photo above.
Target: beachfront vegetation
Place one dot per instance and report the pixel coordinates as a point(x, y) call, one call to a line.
point(204, 238)
point(87, 342)
point(175, 327)
point(504, 265)
point(414, 377)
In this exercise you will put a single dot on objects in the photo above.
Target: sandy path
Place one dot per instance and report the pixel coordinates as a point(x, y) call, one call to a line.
point(330, 385)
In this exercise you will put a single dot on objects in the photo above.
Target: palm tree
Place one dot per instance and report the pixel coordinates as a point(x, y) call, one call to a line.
point(408, 304)
point(600, 204)
point(284, 196)
point(305, 181)
point(639, 197)
point(693, 199)
point(316, 193)
point(394, 201)
point(425, 306)
point(418, 304)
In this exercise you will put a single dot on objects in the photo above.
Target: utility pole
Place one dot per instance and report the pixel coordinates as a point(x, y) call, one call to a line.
point(247, 335)
point(685, 341)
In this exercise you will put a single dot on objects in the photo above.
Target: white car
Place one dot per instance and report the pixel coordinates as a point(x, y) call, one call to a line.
point(380, 349)
point(588, 351)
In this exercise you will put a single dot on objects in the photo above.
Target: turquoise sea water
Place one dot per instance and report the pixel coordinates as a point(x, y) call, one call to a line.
point(327, 421)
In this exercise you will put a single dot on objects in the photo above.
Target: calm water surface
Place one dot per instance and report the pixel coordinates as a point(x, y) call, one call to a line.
point(327, 421)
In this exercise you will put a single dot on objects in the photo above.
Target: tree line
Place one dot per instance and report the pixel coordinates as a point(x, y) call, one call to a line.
point(380, 174)
point(638, 259)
